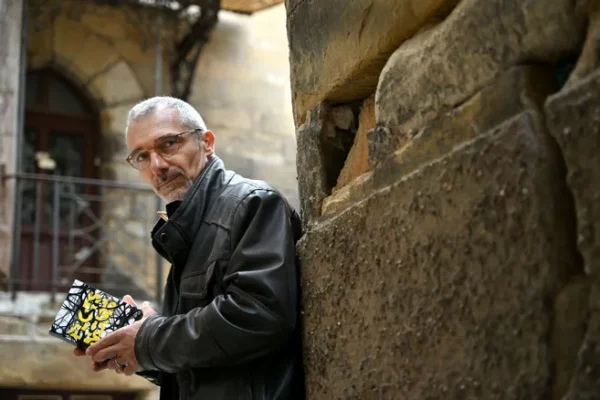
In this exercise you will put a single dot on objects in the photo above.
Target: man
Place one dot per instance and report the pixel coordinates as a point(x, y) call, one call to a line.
point(229, 326)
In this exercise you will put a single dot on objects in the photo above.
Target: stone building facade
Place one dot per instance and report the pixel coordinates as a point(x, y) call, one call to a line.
point(69, 72)
point(448, 171)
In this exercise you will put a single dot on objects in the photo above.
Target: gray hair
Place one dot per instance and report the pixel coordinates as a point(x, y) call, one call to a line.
point(188, 116)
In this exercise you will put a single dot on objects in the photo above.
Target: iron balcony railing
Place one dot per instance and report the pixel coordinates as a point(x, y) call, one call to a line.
point(97, 231)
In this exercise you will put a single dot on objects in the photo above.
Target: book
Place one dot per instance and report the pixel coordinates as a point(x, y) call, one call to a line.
point(89, 314)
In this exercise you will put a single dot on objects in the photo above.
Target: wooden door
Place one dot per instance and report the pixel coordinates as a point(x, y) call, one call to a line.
point(61, 127)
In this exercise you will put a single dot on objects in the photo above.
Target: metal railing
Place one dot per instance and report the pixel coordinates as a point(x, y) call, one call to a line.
point(97, 231)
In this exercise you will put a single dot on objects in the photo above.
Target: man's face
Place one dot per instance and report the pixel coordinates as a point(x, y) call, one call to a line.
point(172, 176)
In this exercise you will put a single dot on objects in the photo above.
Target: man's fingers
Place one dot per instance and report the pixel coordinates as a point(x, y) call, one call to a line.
point(78, 352)
point(129, 370)
point(103, 343)
point(106, 354)
point(97, 367)
point(129, 300)
point(112, 365)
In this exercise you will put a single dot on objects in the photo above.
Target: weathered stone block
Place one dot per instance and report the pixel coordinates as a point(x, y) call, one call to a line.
point(10, 64)
point(94, 57)
point(40, 46)
point(452, 300)
point(440, 68)
point(141, 59)
point(571, 313)
point(514, 91)
point(117, 85)
point(357, 162)
point(338, 48)
point(343, 117)
point(112, 23)
point(114, 120)
point(518, 89)
point(14, 326)
point(26, 365)
point(589, 58)
point(585, 384)
point(574, 120)
point(311, 163)
point(69, 38)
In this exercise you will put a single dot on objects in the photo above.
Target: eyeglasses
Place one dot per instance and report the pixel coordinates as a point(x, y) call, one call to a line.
point(166, 146)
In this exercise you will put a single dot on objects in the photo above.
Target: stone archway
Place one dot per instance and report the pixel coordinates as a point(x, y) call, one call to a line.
point(110, 60)
point(96, 46)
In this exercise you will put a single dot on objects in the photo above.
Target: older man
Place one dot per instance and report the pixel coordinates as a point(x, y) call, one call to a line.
point(229, 326)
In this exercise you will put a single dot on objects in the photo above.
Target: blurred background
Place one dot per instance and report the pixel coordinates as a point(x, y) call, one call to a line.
point(73, 207)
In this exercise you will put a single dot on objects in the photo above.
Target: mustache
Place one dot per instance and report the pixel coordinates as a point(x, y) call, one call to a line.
point(167, 176)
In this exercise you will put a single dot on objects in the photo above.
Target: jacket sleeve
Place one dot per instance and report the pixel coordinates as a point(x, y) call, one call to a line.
point(154, 377)
point(256, 314)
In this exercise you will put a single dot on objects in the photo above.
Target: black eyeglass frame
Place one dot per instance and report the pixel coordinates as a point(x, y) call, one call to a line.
point(177, 136)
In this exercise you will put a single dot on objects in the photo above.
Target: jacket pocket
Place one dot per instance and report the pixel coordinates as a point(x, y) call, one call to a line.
point(195, 289)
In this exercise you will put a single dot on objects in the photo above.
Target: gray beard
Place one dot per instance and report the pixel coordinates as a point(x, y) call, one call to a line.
point(179, 193)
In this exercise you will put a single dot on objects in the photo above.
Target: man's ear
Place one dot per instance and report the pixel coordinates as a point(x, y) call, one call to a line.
point(208, 143)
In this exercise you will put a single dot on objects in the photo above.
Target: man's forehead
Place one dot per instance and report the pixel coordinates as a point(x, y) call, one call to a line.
point(148, 129)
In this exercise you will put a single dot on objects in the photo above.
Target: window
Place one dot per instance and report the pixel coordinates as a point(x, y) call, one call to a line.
point(49, 92)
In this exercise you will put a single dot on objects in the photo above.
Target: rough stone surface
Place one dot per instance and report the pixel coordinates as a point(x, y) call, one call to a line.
point(242, 90)
point(444, 66)
point(585, 384)
point(311, 163)
point(338, 48)
point(571, 313)
point(94, 57)
point(421, 292)
point(357, 162)
point(589, 58)
point(574, 120)
point(117, 85)
point(26, 365)
point(40, 45)
point(343, 118)
point(69, 38)
point(10, 56)
point(114, 120)
point(518, 89)
point(513, 92)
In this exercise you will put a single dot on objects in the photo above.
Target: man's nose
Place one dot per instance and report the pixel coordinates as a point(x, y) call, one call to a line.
point(158, 164)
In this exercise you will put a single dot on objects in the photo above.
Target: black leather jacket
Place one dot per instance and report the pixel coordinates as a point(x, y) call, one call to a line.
point(229, 327)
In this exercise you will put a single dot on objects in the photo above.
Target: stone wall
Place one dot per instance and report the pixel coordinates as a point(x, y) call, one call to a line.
point(242, 91)
point(447, 162)
point(109, 54)
point(10, 65)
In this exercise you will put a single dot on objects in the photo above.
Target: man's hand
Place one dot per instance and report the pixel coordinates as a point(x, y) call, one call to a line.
point(116, 350)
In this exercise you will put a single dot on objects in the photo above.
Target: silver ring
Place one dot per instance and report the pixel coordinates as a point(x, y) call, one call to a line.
point(119, 365)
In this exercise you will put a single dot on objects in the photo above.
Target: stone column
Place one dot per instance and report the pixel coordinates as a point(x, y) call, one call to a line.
point(452, 252)
point(11, 12)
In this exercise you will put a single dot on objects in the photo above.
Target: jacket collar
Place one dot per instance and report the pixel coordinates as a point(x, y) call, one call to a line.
point(173, 238)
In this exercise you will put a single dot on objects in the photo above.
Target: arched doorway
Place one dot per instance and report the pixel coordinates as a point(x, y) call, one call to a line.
point(60, 140)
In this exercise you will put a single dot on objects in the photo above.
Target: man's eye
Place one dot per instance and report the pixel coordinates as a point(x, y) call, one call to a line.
point(141, 157)
point(170, 142)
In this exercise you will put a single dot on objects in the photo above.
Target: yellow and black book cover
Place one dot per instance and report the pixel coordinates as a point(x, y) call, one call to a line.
point(89, 314)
